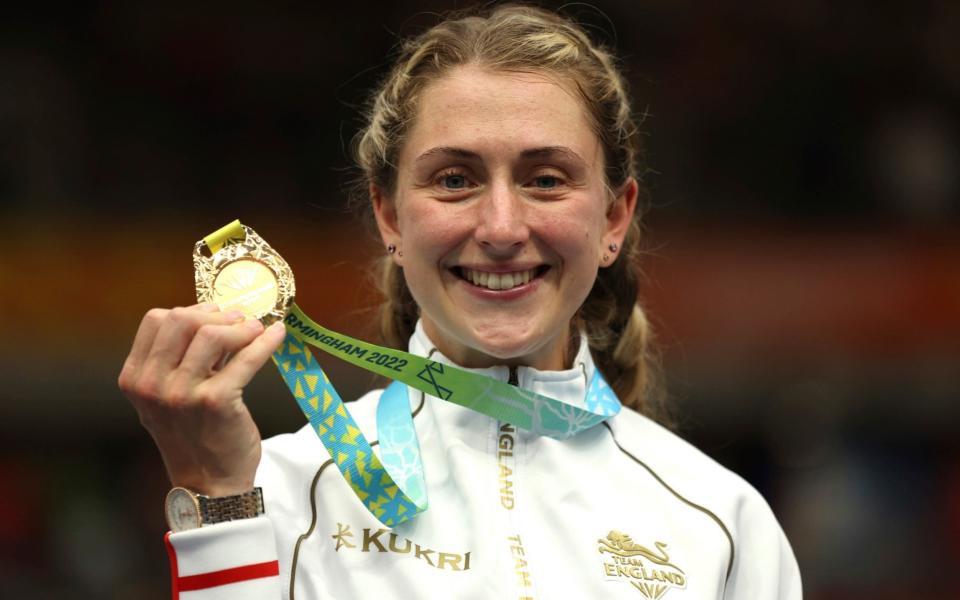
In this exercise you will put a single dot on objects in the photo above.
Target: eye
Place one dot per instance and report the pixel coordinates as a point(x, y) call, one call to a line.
point(546, 182)
point(453, 181)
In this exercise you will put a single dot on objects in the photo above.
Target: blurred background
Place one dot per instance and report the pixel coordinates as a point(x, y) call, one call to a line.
point(803, 268)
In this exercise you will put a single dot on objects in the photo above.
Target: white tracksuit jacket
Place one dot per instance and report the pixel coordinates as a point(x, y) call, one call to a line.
point(624, 510)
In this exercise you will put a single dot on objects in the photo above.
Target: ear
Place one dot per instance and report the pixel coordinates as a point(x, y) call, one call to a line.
point(385, 212)
point(619, 216)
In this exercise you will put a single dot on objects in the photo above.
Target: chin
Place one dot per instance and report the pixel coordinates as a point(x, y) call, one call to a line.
point(479, 343)
point(510, 346)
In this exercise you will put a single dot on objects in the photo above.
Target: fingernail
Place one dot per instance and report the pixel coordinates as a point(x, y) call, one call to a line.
point(235, 315)
point(253, 325)
point(278, 326)
point(209, 307)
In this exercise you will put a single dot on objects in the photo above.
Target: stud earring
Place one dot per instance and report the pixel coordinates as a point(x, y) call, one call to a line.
point(391, 249)
point(605, 259)
point(613, 247)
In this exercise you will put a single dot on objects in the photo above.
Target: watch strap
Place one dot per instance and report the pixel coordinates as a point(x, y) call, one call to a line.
point(231, 508)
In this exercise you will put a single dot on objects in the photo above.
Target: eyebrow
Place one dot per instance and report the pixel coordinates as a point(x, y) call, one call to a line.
point(550, 151)
point(448, 151)
point(542, 152)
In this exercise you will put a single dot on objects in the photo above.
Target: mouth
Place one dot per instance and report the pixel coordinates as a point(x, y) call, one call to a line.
point(489, 280)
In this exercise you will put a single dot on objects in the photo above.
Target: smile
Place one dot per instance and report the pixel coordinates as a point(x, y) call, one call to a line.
point(499, 281)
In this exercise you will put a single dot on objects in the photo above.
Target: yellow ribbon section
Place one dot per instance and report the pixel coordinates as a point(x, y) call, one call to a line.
point(230, 231)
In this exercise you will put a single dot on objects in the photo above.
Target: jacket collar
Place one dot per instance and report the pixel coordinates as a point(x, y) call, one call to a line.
point(568, 384)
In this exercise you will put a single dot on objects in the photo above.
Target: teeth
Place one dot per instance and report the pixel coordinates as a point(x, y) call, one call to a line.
point(498, 281)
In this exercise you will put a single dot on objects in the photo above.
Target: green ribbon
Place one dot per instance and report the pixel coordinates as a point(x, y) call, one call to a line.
point(488, 396)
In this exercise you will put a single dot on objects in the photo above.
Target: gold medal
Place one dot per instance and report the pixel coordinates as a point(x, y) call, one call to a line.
point(243, 273)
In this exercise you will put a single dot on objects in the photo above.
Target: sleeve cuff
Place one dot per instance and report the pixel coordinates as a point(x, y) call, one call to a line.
point(235, 560)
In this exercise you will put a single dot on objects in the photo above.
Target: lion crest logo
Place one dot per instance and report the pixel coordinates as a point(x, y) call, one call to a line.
point(649, 571)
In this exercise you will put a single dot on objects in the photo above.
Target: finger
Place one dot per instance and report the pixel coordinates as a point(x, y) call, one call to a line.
point(212, 343)
point(177, 331)
point(242, 367)
point(146, 333)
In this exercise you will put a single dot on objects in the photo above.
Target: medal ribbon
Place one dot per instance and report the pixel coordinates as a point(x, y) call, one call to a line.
point(392, 486)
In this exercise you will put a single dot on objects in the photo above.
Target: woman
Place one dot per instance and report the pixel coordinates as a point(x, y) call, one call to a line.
point(500, 161)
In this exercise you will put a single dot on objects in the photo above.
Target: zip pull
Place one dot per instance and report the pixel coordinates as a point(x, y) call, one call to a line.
point(513, 380)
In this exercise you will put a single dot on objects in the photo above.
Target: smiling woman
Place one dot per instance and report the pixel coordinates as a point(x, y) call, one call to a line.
point(500, 163)
point(501, 204)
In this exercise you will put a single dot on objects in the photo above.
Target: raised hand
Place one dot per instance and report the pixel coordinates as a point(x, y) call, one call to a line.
point(185, 376)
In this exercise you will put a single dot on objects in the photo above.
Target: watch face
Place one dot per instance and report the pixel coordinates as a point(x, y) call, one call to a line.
point(183, 513)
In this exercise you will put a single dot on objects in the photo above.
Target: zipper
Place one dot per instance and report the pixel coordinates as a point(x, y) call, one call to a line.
point(508, 499)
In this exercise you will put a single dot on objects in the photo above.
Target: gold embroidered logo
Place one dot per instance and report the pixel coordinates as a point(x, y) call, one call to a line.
point(385, 541)
point(650, 572)
point(343, 532)
point(505, 460)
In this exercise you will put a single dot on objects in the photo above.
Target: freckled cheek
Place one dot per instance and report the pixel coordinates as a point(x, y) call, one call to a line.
point(432, 232)
point(570, 236)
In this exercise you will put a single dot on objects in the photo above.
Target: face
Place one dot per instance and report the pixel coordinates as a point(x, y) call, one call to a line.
point(502, 216)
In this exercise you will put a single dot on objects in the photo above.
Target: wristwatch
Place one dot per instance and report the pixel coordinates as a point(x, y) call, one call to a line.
point(188, 510)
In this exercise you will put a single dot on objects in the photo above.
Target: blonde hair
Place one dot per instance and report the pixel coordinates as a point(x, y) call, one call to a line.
point(525, 39)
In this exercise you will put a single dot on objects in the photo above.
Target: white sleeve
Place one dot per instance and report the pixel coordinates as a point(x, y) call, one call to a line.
point(764, 567)
point(236, 560)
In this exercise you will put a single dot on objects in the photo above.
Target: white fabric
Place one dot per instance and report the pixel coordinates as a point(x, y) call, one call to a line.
point(223, 546)
point(515, 515)
point(255, 588)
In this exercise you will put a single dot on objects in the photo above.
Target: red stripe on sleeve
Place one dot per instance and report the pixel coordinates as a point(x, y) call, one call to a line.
point(234, 575)
point(174, 573)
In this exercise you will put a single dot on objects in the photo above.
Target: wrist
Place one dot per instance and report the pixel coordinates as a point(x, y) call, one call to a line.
point(213, 487)
point(222, 490)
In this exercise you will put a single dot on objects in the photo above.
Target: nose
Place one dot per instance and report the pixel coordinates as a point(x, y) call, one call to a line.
point(502, 223)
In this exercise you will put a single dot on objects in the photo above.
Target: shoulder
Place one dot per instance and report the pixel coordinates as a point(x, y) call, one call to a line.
point(760, 555)
point(672, 458)
point(687, 470)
